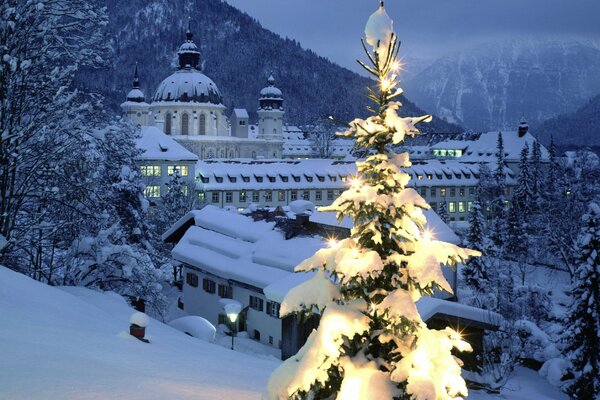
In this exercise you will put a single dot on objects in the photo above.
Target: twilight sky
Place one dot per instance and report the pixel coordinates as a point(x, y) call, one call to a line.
point(332, 28)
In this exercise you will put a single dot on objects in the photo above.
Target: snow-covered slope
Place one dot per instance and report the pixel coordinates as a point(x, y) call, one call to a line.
point(74, 344)
point(491, 86)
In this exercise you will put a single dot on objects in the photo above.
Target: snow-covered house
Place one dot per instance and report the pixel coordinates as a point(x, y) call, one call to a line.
point(251, 258)
point(188, 106)
point(161, 157)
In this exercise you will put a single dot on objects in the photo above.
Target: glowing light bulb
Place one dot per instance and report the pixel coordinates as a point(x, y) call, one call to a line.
point(385, 84)
point(355, 183)
point(396, 66)
point(427, 235)
point(355, 252)
point(332, 243)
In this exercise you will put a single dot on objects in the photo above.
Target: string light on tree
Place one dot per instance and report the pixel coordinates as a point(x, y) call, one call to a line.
point(371, 342)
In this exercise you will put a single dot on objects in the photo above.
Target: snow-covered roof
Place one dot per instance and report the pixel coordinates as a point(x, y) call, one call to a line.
point(160, 147)
point(247, 174)
point(451, 144)
point(484, 148)
point(234, 246)
point(188, 85)
point(430, 306)
point(240, 113)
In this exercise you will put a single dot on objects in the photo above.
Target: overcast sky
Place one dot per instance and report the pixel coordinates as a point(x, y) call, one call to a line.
point(427, 28)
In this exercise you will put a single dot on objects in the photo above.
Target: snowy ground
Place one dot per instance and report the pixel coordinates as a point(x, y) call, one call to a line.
point(72, 343)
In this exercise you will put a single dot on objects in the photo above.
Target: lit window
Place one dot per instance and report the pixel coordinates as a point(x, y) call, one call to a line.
point(461, 206)
point(420, 177)
point(452, 207)
point(281, 195)
point(201, 197)
point(443, 192)
point(469, 206)
point(242, 197)
point(152, 191)
point(150, 170)
point(185, 190)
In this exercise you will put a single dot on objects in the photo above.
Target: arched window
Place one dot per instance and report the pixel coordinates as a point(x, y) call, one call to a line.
point(168, 122)
point(202, 125)
point(185, 124)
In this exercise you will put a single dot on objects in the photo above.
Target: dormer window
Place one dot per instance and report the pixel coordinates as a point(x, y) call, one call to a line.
point(271, 178)
point(321, 178)
point(258, 178)
point(204, 179)
point(284, 178)
point(232, 179)
point(219, 179)
point(308, 178)
point(245, 178)
point(296, 178)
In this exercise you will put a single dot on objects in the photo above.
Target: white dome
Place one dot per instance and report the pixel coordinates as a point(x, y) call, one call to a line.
point(188, 85)
point(271, 91)
point(135, 94)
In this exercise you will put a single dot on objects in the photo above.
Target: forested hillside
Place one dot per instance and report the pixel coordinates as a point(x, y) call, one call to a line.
point(237, 53)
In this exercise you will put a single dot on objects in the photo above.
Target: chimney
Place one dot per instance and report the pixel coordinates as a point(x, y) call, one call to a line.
point(523, 127)
point(303, 219)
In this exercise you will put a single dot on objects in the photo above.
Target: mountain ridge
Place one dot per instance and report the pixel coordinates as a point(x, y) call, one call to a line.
point(237, 53)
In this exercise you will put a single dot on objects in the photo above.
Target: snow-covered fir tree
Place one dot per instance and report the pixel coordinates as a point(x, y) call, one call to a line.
point(583, 319)
point(523, 192)
point(371, 342)
point(474, 272)
point(443, 211)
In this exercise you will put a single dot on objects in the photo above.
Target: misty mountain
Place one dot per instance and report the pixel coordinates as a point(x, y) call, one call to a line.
point(237, 53)
point(491, 86)
point(580, 128)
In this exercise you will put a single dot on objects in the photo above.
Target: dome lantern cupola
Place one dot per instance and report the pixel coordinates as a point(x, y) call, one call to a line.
point(189, 55)
point(135, 94)
point(523, 127)
point(270, 96)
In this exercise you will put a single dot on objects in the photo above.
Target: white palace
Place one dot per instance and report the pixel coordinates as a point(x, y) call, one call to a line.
point(188, 106)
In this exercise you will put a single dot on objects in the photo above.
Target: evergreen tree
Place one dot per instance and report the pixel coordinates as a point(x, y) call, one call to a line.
point(498, 209)
point(537, 179)
point(371, 341)
point(583, 321)
point(475, 272)
point(523, 193)
point(516, 238)
point(443, 212)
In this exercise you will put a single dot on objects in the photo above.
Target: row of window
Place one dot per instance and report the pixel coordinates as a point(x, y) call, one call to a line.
point(273, 178)
point(155, 170)
point(244, 196)
point(257, 304)
point(455, 206)
point(185, 124)
point(154, 191)
point(444, 192)
point(210, 286)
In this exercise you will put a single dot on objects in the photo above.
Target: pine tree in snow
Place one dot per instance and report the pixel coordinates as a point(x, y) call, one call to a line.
point(523, 193)
point(583, 321)
point(537, 179)
point(498, 210)
point(371, 342)
point(443, 212)
point(474, 272)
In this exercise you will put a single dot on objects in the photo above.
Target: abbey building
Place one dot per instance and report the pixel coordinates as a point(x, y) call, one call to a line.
point(188, 106)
